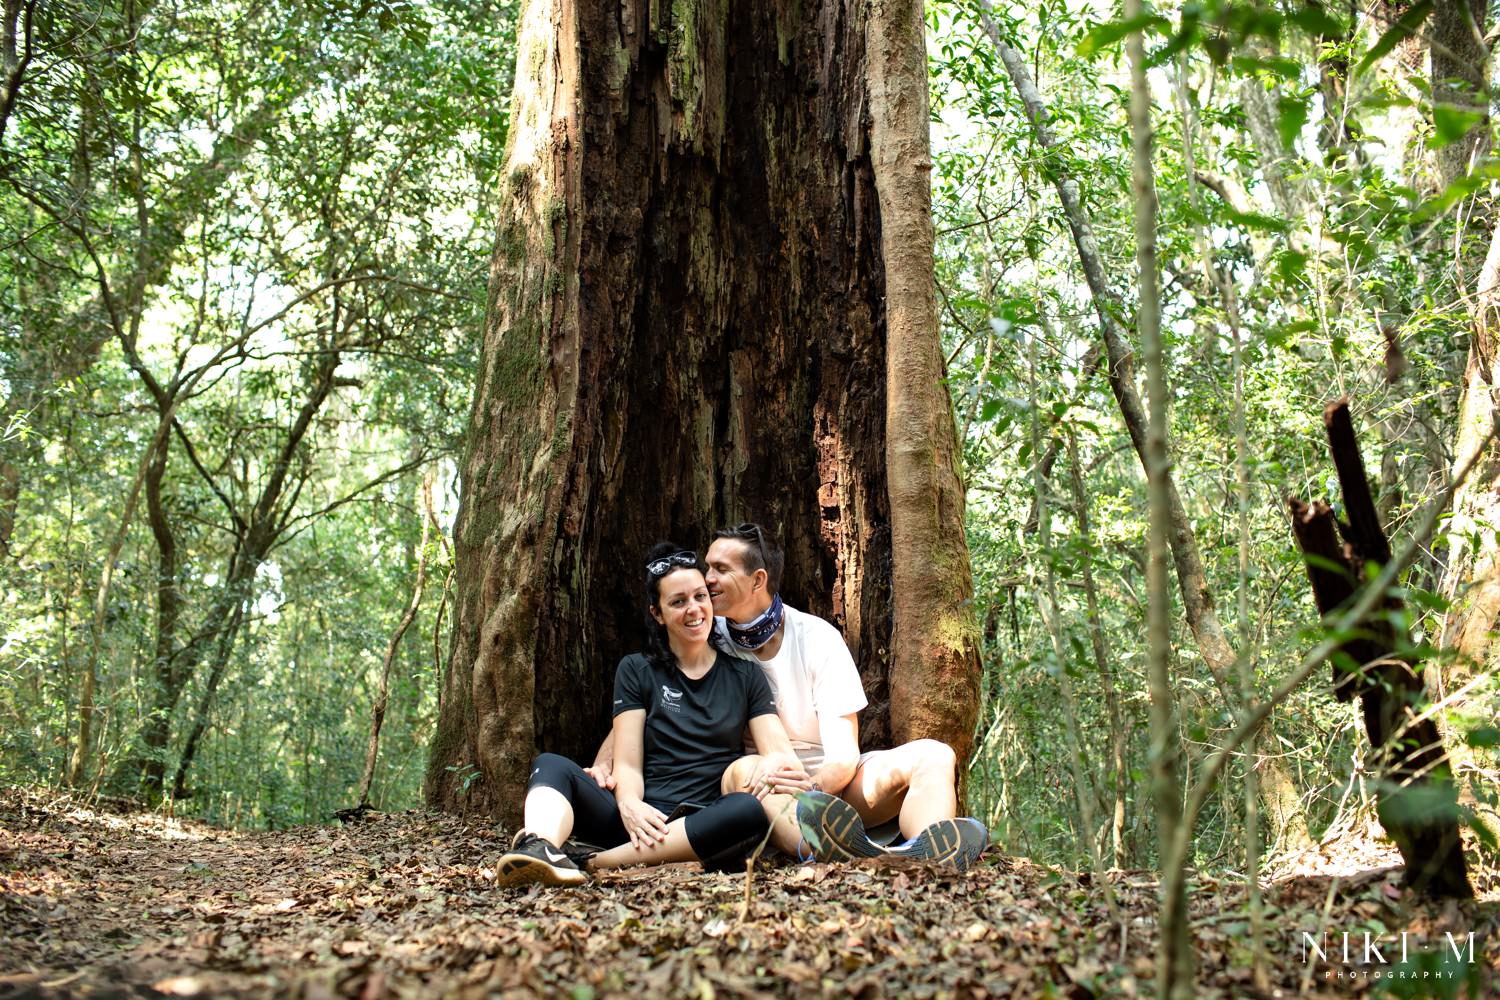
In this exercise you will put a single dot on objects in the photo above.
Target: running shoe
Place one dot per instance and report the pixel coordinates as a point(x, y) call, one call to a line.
point(958, 842)
point(531, 859)
point(832, 829)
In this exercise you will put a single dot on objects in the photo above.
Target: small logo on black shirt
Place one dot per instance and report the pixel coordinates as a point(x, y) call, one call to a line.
point(671, 699)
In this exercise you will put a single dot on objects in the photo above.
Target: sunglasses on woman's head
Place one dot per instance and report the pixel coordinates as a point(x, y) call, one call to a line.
point(677, 560)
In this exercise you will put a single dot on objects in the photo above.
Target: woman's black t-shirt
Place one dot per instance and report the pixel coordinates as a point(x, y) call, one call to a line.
point(694, 728)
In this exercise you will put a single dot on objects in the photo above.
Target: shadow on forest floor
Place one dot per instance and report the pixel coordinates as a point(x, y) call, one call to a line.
point(402, 905)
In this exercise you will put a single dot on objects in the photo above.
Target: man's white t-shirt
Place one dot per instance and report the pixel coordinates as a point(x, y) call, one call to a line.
point(812, 676)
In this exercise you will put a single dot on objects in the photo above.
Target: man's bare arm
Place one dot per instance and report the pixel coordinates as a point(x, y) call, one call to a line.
point(840, 752)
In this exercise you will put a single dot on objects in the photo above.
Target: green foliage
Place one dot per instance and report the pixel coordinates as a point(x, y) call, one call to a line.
point(1326, 224)
point(276, 215)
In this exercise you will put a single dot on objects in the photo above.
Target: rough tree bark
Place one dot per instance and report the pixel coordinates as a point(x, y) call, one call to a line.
point(935, 686)
point(1460, 80)
point(686, 327)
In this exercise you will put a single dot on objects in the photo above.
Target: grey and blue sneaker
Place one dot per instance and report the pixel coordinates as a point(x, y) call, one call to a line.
point(832, 829)
point(958, 842)
point(531, 859)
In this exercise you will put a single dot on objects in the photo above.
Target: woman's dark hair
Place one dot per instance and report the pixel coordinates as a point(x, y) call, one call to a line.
point(662, 559)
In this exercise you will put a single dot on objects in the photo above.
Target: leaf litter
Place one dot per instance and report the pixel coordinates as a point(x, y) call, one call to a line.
point(95, 903)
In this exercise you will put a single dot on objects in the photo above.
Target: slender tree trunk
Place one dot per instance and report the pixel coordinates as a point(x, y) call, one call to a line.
point(1472, 577)
point(1174, 967)
point(1248, 687)
point(1083, 784)
point(218, 664)
point(1092, 359)
point(258, 534)
point(1102, 660)
point(1460, 75)
point(79, 764)
point(686, 328)
point(382, 697)
point(1198, 601)
point(169, 671)
point(17, 46)
point(935, 649)
point(40, 367)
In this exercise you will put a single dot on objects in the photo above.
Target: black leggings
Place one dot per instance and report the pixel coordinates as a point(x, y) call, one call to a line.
point(722, 834)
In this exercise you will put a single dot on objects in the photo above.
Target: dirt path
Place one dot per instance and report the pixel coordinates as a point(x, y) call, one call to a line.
point(94, 904)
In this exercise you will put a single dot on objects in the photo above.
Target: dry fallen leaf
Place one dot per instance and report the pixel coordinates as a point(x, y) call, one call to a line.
point(91, 904)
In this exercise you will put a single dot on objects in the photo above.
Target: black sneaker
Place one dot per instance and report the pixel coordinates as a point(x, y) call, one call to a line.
point(832, 829)
point(580, 853)
point(531, 859)
point(958, 842)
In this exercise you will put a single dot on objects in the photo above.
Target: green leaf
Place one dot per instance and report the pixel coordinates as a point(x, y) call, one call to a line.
point(989, 409)
point(1317, 22)
point(1483, 736)
point(1482, 830)
point(1451, 124)
point(1427, 599)
point(1102, 36)
point(1324, 563)
point(1405, 27)
point(1258, 220)
point(1456, 192)
point(1291, 265)
point(1290, 117)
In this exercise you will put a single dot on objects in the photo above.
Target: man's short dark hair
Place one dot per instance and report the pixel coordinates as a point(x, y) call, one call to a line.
point(761, 551)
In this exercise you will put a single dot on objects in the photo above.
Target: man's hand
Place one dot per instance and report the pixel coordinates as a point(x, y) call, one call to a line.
point(646, 824)
point(777, 774)
point(603, 774)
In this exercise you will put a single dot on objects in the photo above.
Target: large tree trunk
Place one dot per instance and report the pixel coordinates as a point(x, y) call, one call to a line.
point(686, 327)
point(935, 686)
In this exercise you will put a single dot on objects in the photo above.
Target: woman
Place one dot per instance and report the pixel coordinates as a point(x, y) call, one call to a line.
point(680, 712)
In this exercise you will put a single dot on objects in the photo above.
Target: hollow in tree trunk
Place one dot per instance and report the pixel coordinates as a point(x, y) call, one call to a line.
point(686, 328)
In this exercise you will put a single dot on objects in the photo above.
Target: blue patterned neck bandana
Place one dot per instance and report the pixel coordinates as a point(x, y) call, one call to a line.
point(755, 634)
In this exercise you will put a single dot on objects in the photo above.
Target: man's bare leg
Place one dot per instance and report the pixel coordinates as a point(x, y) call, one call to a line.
point(781, 810)
point(915, 781)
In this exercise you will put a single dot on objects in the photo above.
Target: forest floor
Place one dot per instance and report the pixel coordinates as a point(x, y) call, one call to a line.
point(95, 903)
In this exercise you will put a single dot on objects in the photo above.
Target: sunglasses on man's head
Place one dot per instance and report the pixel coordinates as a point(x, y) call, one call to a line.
point(749, 528)
point(677, 560)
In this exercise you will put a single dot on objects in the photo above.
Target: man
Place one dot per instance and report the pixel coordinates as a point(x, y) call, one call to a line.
point(824, 809)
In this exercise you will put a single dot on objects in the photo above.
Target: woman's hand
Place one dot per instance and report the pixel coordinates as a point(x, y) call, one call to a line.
point(646, 824)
